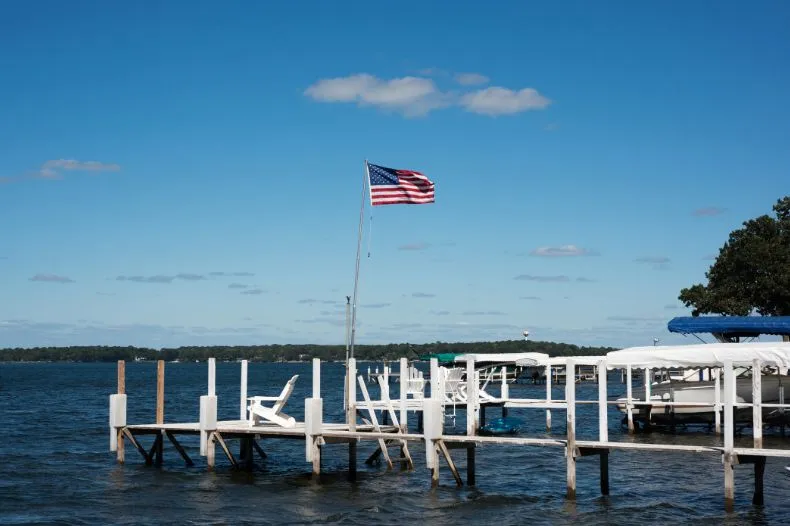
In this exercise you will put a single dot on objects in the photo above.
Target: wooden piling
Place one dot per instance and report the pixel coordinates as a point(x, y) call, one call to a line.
point(759, 473)
point(470, 466)
point(120, 454)
point(604, 465)
point(160, 392)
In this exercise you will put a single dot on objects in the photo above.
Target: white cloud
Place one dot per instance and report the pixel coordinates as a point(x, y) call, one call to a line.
point(563, 251)
point(495, 101)
point(470, 79)
point(411, 96)
point(52, 169)
point(415, 96)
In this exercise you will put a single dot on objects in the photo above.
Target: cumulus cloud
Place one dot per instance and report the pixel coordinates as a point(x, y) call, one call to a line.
point(416, 96)
point(54, 169)
point(563, 251)
point(543, 279)
point(709, 211)
point(470, 79)
point(495, 101)
point(412, 96)
point(51, 278)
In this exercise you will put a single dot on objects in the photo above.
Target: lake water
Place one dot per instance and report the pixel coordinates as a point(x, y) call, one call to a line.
point(56, 468)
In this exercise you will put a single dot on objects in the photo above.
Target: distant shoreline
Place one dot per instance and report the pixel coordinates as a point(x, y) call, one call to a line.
point(292, 353)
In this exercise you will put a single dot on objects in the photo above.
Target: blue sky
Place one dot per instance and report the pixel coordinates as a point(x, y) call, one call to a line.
point(189, 173)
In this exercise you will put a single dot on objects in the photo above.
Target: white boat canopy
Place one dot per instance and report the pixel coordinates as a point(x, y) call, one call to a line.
point(520, 358)
point(577, 360)
point(701, 355)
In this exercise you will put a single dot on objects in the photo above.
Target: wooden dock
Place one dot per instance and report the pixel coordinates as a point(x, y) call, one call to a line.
point(384, 422)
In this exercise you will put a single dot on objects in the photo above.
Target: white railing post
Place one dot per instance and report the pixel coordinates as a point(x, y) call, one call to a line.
point(404, 393)
point(603, 408)
point(757, 403)
point(548, 396)
point(729, 435)
point(351, 415)
point(717, 399)
point(243, 391)
point(505, 391)
point(471, 397)
point(629, 399)
point(570, 422)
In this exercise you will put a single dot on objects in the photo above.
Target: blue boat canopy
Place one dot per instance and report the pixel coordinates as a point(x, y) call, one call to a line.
point(731, 325)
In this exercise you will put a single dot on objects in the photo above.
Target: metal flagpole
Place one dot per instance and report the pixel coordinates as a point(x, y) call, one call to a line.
point(365, 177)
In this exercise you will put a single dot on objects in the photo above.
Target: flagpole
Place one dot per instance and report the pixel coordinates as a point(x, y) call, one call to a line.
point(365, 177)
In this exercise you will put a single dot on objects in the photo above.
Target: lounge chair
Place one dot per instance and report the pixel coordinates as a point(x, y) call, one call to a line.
point(258, 412)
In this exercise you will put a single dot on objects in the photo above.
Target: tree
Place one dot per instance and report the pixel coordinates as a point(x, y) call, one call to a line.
point(751, 272)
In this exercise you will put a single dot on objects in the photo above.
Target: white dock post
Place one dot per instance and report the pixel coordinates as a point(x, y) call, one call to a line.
point(313, 420)
point(351, 416)
point(433, 427)
point(629, 399)
point(243, 392)
point(548, 397)
point(471, 397)
point(117, 422)
point(505, 391)
point(570, 453)
point(404, 393)
point(208, 416)
point(717, 399)
point(351, 413)
point(118, 414)
point(647, 381)
point(729, 436)
point(757, 403)
point(435, 379)
point(603, 408)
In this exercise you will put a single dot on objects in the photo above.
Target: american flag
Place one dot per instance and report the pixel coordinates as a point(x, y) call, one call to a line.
point(389, 186)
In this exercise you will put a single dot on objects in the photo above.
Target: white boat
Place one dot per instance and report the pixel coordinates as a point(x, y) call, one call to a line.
point(690, 396)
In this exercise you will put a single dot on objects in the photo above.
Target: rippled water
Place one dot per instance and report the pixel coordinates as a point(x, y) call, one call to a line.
point(56, 468)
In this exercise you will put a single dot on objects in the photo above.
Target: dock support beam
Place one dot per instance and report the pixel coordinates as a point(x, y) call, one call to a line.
point(313, 420)
point(629, 399)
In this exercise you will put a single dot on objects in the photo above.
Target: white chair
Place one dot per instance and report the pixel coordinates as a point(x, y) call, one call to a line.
point(259, 412)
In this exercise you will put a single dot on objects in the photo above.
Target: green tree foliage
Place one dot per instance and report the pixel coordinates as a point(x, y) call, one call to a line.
point(279, 353)
point(751, 272)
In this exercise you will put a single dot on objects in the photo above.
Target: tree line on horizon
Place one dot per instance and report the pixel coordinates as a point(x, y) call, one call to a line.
point(292, 352)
